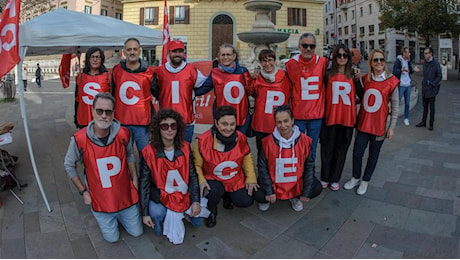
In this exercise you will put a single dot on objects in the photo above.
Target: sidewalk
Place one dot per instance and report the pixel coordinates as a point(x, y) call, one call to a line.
point(411, 209)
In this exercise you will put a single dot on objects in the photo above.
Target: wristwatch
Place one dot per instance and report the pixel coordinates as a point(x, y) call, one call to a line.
point(83, 191)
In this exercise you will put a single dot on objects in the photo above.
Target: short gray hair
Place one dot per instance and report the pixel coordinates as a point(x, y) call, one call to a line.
point(104, 95)
point(307, 35)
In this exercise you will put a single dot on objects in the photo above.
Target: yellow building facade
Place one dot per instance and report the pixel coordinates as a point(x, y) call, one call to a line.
point(205, 24)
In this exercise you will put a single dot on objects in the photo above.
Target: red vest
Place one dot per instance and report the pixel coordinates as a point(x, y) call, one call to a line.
point(225, 167)
point(269, 96)
point(286, 172)
point(308, 88)
point(132, 96)
point(88, 87)
point(340, 101)
point(176, 91)
point(374, 109)
point(172, 178)
point(107, 173)
point(230, 90)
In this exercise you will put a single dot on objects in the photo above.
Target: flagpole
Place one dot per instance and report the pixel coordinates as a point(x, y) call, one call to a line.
point(166, 36)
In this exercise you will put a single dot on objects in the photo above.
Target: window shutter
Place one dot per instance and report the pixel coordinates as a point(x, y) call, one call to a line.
point(141, 16)
point(289, 16)
point(156, 15)
point(171, 15)
point(304, 17)
point(187, 15)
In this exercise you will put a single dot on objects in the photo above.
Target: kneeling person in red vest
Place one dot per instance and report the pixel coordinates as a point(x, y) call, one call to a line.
point(286, 165)
point(105, 150)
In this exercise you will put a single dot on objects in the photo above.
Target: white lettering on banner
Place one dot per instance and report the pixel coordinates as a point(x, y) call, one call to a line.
point(228, 92)
point(175, 92)
point(218, 171)
point(281, 170)
point(272, 102)
point(378, 100)
point(341, 89)
point(203, 101)
point(90, 88)
point(307, 85)
point(124, 88)
point(174, 182)
point(11, 8)
point(105, 172)
point(8, 45)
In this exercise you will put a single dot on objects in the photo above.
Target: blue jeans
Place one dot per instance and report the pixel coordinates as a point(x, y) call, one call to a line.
point(140, 135)
point(361, 141)
point(313, 127)
point(405, 91)
point(130, 218)
point(157, 212)
point(188, 134)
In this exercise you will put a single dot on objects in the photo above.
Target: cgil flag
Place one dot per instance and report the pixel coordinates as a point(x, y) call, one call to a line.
point(166, 36)
point(9, 41)
point(64, 69)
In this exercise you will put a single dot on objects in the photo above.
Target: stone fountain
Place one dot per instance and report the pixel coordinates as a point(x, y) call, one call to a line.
point(263, 34)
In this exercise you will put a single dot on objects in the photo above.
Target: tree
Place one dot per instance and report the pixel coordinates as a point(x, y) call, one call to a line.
point(426, 17)
point(31, 8)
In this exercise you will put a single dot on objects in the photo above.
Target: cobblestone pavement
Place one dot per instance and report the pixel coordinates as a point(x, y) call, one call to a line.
point(411, 209)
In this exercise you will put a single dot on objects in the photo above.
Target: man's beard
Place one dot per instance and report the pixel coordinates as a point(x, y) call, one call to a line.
point(103, 124)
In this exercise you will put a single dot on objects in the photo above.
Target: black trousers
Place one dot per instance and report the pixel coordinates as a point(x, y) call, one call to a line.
point(239, 198)
point(428, 103)
point(335, 141)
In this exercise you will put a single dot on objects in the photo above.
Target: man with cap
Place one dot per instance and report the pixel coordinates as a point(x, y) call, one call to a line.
point(174, 85)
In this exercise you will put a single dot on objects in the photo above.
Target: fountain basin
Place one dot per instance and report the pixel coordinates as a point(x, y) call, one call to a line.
point(263, 37)
point(253, 5)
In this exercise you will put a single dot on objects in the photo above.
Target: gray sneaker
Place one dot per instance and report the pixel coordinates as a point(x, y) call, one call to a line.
point(296, 204)
point(353, 182)
point(263, 206)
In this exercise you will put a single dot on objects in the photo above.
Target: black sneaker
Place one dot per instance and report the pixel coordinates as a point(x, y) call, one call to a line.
point(420, 124)
point(211, 220)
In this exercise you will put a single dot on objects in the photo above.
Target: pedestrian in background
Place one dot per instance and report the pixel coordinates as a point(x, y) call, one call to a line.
point(24, 78)
point(38, 76)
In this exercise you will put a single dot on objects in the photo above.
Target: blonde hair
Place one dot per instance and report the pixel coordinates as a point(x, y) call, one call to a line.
point(369, 62)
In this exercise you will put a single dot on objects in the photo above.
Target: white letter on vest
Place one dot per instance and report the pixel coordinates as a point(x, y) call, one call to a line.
point(105, 172)
point(90, 88)
point(218, 171)
point(341, 89)
point(311, 83)
point(175, 92)
point(174, 182)
point(124, 88)
point(271, 102)
point(281, 169)
point(228, 92)
point(377, 103)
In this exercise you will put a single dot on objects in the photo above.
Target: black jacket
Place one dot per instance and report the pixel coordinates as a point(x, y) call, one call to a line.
point(148, 189)
point(432, 77)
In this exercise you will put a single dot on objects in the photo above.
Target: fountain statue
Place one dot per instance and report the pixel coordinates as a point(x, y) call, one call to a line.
point(263, 34)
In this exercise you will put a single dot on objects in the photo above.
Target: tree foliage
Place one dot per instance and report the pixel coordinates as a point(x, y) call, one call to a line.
point(426, 17)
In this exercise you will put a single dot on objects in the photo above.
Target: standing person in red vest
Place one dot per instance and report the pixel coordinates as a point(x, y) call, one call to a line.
point(105, 149)
point(285, 164)
point(342, 85)
point(306, 72)
point(376, 119)
point(168, 181)
point(271, 89)
point(94, 79)
point(132, 89)
point(174, 85)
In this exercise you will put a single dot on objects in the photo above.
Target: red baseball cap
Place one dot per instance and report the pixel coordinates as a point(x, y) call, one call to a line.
point(174, 45)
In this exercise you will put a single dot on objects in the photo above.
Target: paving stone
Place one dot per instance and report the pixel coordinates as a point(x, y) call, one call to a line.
point(445, 183)
point(31, 222)
point(321, 255)
point(141, 248)
point(454, 166)
point(13, 248)
point(381, 213)
point(13, 228)
point(49, 245)
point(404, 199)
point(186, 251)
point(216, 248)
point(286, 247)
point(117, 250)
point(440, 224)
point(437, 205)
point(51, 221)
point(435, 193)
point(393, 186)
point(377, 252)
point(417, 179)
point(263, 227)
point(348, 239)
point(82, 248)
point(456, 206)
point(74, 225)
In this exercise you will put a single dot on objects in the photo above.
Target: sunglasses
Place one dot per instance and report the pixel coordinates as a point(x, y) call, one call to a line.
point(107, 112)
point(166, 126)
point(342, 55)
point(282, 108)
point(305, 46)
point(378, 60)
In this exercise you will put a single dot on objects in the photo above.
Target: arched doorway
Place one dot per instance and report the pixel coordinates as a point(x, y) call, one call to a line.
point(222, 32)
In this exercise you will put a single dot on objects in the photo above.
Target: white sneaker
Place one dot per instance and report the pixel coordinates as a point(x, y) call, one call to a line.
point(296, 204)
point(406, 122)
point(353, 182)
point(362, 187)
point(263, 206)
point(324, 184)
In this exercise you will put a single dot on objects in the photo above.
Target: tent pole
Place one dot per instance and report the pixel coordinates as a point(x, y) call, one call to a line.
point(26, 130)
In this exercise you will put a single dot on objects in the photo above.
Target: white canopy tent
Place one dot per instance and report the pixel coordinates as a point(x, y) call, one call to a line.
point(62, 31)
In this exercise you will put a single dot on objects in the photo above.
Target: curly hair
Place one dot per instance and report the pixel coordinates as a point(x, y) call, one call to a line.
point(154, 129)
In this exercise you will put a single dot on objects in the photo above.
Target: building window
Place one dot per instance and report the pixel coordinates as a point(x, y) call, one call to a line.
point(297, 16)
point(361, 30)
point(104, 12)
point(119, 16)
point(149, 16)
point(327, 21)
point(371, 29)
point(340, 31)
point(352, 14)
point(371, 45)
point(346, 30)
point(340, 18)
point(88, 9)
point(346, 16)
point(361, 11)
point(370, 9)
point(179, 14)
point(353, 28)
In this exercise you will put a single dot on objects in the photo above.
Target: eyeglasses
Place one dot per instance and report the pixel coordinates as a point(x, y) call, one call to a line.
point(95, 57)
point(305, 46)
point(342, 55)
point(427, 53)
point(378, 60)
point(282, 108)
point(166, 126)
point(107, 112)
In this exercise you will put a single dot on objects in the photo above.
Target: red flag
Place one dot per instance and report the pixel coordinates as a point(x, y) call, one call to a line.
point(9, 41)
point(64, 70)
point(166, 37)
